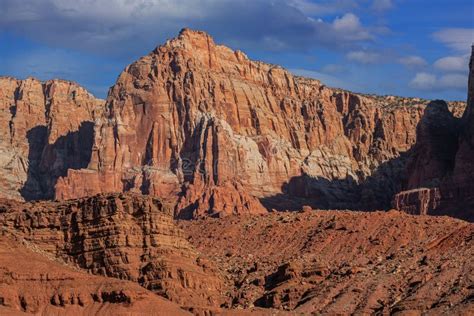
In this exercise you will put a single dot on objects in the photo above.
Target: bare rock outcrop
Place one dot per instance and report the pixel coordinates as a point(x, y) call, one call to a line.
point(128, 237)
point(343, 262)
point(31, 282)
point(195, 120)
point(45, 129)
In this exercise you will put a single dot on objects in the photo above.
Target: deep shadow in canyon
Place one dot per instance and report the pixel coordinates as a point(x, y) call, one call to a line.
point(48, 162)
point(426, 164)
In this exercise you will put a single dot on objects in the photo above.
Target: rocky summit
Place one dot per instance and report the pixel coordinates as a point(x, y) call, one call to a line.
point(203, 124)
point(207, 183)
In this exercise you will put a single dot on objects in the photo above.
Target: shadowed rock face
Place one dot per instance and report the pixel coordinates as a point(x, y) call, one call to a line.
point(45, 129)
point(200, 122)
point(441, 175)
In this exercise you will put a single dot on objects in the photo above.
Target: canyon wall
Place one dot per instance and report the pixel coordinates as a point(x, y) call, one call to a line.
point(203, 123)
point(45, 129)
point(215, 133)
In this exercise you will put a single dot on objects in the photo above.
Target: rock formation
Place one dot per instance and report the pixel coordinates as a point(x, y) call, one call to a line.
point(34, 283)
point(204, 123)
point(215, 133)
point(45, 129)
point(442, 169)
point(127, 237)
point(311, 262)
point(343, 262)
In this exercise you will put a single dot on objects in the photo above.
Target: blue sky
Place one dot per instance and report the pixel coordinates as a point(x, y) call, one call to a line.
point(402, 47)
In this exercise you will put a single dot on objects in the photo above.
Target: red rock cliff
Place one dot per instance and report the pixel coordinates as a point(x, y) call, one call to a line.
point(45, 128)
point(203, 121)
point(122, 236)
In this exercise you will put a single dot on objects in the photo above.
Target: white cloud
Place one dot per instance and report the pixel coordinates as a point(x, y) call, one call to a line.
point(453, 81)
point(453, 63)
point(412, 61)
point(431, 82)
point(424, 81)
point(349, 26)
point(131, 27)
point(324, 7)
point(459, 39)
point(363, 57)
point(348, 22)
point(333, 69)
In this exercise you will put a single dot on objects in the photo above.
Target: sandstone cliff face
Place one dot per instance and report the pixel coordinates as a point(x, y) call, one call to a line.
point(442, 169)
point(127, 237)
point(45, 128)
point(197, 120)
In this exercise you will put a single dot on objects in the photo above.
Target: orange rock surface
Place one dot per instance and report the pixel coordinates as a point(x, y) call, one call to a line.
point(34, 283)
point(45, 128)
point(339, 263)
point(127, 237)
point(197, 121)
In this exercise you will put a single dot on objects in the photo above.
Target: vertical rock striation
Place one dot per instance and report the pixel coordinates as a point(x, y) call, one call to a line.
point(204, 123)
point(45, 128)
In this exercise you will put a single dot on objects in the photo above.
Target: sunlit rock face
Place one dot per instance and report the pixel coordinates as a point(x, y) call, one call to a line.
point(220, 134)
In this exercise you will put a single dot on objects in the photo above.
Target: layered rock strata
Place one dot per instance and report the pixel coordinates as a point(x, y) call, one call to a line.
point(202, 122)
point(31, 282)
point(127, 237)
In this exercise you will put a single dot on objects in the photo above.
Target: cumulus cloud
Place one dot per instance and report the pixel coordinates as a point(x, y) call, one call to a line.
point(349, 27)
point(431, 82)
point(459, 39)
point(453, 63)
point(130, 27)
point(363, 57)
point(412, 61)
point(423, 81)
point(453, 81)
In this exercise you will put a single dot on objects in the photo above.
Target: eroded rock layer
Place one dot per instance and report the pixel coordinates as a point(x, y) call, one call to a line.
point(206, 124)
point(45, 129)
point(31, 282)
point(340, 263)
point(127, 237)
